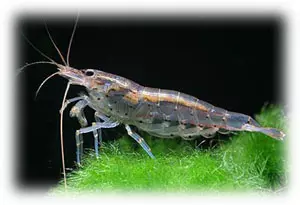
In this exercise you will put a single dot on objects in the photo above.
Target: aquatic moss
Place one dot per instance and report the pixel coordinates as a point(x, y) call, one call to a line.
point(245, 161)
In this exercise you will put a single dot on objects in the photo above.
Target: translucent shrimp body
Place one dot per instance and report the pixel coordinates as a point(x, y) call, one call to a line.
point(162, 113)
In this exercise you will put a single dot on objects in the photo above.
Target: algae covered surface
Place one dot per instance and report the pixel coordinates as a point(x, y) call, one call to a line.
point(244, 161)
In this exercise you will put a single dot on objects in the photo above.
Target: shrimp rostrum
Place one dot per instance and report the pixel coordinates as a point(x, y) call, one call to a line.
point(162, 113)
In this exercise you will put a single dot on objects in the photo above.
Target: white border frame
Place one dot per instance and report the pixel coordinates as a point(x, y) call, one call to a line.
point(11, 9)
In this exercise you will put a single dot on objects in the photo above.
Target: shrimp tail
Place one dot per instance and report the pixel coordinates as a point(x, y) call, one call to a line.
point(241, 122)
point(272, 132)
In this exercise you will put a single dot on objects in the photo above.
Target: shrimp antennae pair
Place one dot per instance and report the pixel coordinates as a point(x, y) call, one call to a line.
point(70, 43)
point(60, 54)
point(63, 105)
point(52, 62)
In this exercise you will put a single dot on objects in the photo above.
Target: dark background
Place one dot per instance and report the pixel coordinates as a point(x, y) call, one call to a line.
point(231, 62)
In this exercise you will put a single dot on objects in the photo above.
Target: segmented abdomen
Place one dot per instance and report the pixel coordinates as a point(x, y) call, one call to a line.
point(167, 113)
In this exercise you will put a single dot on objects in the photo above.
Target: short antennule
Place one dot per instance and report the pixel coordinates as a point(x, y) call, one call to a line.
point(35, 48)
point(71, 40)
point(37, 92)
point(53, 43)
point(51, 61)
point(35, 63)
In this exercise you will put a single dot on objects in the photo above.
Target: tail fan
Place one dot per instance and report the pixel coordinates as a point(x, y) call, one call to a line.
point(272, 132)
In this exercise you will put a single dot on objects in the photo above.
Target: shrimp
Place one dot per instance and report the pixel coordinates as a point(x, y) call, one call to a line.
point(160, 112)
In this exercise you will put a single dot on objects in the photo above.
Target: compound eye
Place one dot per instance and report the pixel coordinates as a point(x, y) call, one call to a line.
point(89, 73)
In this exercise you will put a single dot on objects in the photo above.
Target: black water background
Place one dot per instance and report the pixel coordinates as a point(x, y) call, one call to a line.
point(234, 63)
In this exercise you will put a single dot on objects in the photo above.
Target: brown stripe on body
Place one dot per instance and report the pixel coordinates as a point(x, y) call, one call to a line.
point(130, 90)
point(132, 96)
point(153, 95)
point(133, 92)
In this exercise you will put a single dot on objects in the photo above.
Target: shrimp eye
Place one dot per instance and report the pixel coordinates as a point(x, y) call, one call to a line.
point(89, 73)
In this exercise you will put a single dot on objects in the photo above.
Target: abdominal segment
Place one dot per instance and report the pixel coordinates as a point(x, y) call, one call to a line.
point(166, 121)
point(180, 115)
point(169, 114)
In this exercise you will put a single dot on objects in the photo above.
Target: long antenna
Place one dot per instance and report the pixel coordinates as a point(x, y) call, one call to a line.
point(71, 39)
point(34, 63)
point(61, 135)
point(35, 48)
point(41, 85)
point(61, 56)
